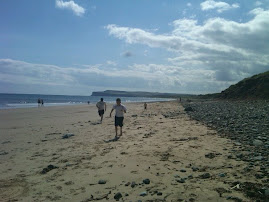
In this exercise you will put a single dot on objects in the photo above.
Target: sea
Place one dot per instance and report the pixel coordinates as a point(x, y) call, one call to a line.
point(9, 101)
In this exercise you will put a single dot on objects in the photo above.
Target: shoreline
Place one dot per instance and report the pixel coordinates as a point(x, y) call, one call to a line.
point(162, 155)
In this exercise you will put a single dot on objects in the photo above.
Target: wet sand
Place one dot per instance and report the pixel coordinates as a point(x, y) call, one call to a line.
point(183, 159)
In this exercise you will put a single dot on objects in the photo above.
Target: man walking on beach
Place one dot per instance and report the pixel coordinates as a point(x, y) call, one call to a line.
point(101, 105)
point(119, 116)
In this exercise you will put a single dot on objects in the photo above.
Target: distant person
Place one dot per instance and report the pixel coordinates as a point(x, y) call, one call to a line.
point(179, 99)
point(42, 102)
point(119, 115)
point(38, 102)
point(88, 102)
point(101, 105)
point(145, 106)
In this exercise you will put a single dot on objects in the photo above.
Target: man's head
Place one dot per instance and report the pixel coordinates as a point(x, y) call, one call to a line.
point(102, 99)
point(118, 100)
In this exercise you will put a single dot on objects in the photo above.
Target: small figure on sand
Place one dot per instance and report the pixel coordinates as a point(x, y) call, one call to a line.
point(38, 102)
point(101, 105)
point(88, 102)
point(42, 102)
point(145, 106)
point(119, 116)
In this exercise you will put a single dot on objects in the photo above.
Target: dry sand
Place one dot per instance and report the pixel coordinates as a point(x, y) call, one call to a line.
point(152, 147)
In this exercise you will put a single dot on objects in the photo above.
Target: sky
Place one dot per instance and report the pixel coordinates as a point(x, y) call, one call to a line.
point(179, 46)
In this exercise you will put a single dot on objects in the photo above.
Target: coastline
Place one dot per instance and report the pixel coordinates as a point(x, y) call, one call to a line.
point(182, 158)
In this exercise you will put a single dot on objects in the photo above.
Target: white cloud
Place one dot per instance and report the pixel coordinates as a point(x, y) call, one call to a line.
point(230, 49)
point(70, 5)
point(219, 5)
point(189, 4)
point(258, 3)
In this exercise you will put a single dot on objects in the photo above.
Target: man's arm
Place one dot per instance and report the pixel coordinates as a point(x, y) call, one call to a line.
point(124, 109)
point(111, 112)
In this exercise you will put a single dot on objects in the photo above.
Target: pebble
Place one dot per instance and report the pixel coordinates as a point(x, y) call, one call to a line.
point(144, 193)
point(146, 181)
point(222, 175)
point(102, 182)
point(257, 142)
point(181, 180)
point(133, 184)
point(117, 196)
point(67, 135)
point(205, 176)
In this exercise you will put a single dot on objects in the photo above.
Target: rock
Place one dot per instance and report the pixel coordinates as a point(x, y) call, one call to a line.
point(133, 184)
point(134, 115)
point(195, 168)
point(222, 174)
point(102, 182)
point(3, 153)
point(117, 196)
point(210, 155)
point(257, 142)
point(48, 168)
point(126, 194)
point(183, 171)
point(127, 184)
point(258, 158)
point(181, 180)
point(68, 135)
point(205, 176)
point(188, 109)
point(146, 181)
point(159, 193)
point(144, 193)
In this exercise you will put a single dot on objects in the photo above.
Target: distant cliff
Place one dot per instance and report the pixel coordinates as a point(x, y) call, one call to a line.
point(136, 94)
point(255, 87)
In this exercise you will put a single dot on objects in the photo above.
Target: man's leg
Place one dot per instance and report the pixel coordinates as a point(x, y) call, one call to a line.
point(120, 131)
point(116, 129)
point(102, 117)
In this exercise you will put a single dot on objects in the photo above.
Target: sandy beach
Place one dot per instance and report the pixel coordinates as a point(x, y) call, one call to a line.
point(178, 158)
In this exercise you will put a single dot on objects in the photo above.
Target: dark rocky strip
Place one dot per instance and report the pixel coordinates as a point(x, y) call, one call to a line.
point(245, 122)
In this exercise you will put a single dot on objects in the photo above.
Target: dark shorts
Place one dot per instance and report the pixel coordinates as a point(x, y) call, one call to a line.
point(119, 121)
point(101, 112)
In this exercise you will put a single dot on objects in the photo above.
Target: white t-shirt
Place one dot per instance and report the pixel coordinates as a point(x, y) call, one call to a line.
point(101, 105)
point(119, 110)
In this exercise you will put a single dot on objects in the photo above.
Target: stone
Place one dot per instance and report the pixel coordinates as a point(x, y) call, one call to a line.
point(133, 184)
point(146, 181)
point(205, 176)
point(159, 193)
point(181, 180)
point(257, 142)
point(48, 168)
point(117, 196)
point(258, 158)
point(144, 193)
point(188, 109)
point(195, 168)
point(222, 174)
point(102, 182)
point(183, 171)
point(67, 135)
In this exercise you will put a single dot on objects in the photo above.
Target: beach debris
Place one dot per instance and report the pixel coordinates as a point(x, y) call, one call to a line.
point(117, 196)
point(127, 184)
point(69, 183)
point(212, 155)
point(3, 153)
point(182, 170)
point(67, 135)
point(134, 115)
point(102, 182)
point(159, 193)
point(105, 196)
point(48, 168)
point(146, 181)
point(144, 193)
point(205, 176)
